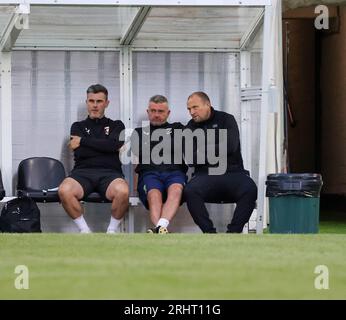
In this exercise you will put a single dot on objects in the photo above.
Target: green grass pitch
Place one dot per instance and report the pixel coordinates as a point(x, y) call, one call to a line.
point(174, 266)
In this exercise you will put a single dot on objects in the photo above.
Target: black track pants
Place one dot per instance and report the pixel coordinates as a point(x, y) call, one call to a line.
point(235, 187)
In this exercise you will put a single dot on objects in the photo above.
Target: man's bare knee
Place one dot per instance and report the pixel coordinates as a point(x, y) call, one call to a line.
point(68, 189)
point(175, 190)
point(154, 193)
point(64, 190)
point(121, 189)
point(118, 189)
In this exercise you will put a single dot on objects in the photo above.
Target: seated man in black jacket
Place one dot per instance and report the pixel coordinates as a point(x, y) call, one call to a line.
point(160, 165)
point(214, 182)
point(95, 142)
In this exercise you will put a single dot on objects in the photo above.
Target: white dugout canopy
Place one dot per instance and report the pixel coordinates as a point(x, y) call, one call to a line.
point(244, 34)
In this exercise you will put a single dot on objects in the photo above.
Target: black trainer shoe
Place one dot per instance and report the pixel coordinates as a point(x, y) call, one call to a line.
point(158, 229)
point(161, 230)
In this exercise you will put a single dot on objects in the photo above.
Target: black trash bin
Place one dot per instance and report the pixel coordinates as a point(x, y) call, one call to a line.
point(294, 202)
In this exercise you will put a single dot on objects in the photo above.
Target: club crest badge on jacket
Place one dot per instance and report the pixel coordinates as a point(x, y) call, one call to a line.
point(106, 131)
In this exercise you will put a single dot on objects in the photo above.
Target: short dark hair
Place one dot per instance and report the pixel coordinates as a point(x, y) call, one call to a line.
point(200, 94)
point(158, 99)
point(96, 88)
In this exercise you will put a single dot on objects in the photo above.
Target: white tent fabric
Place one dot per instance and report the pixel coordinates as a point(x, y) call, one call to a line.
point(48, 91)
point(178, 74)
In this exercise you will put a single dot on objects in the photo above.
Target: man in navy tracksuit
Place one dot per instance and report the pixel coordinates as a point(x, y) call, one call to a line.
point(96, 142)
point(232, 184)
point(161, 174)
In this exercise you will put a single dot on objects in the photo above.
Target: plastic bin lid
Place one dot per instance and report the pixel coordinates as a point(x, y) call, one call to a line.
point(294, 176)
point(299, 184)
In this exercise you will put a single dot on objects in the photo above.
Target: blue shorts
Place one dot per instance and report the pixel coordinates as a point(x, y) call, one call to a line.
point(160, 181)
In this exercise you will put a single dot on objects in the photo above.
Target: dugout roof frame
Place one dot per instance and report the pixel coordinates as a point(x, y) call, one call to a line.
point(156, 25)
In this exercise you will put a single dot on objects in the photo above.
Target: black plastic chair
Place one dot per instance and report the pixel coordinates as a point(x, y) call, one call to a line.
point(2, 190)
point(39, 178)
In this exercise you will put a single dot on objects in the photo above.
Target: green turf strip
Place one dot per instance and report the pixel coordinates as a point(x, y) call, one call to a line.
point(173, 266)
point(333, 222)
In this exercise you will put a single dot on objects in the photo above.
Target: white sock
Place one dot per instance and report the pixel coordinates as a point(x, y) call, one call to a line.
point(114, 224)
point(163, 223)
point(81, 224)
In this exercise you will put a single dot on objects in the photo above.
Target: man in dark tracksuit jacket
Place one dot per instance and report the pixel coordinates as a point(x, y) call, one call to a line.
point(162, 174)
point(231, 185)
point(95, 142)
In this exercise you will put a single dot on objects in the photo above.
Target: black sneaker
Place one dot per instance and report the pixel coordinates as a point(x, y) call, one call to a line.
point(158, 229)
point(161, 230)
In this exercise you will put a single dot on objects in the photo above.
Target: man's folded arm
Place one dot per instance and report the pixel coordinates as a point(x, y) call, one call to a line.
point(86, 152)
point(109, 145)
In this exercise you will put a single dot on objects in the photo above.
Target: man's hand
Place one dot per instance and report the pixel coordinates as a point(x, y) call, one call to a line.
point(74, 142)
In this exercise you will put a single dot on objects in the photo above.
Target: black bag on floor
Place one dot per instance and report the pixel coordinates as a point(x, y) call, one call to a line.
point(20, 215)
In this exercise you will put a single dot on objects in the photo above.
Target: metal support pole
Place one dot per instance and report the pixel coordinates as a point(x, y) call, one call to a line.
point(126, 111)
point(6, 121)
